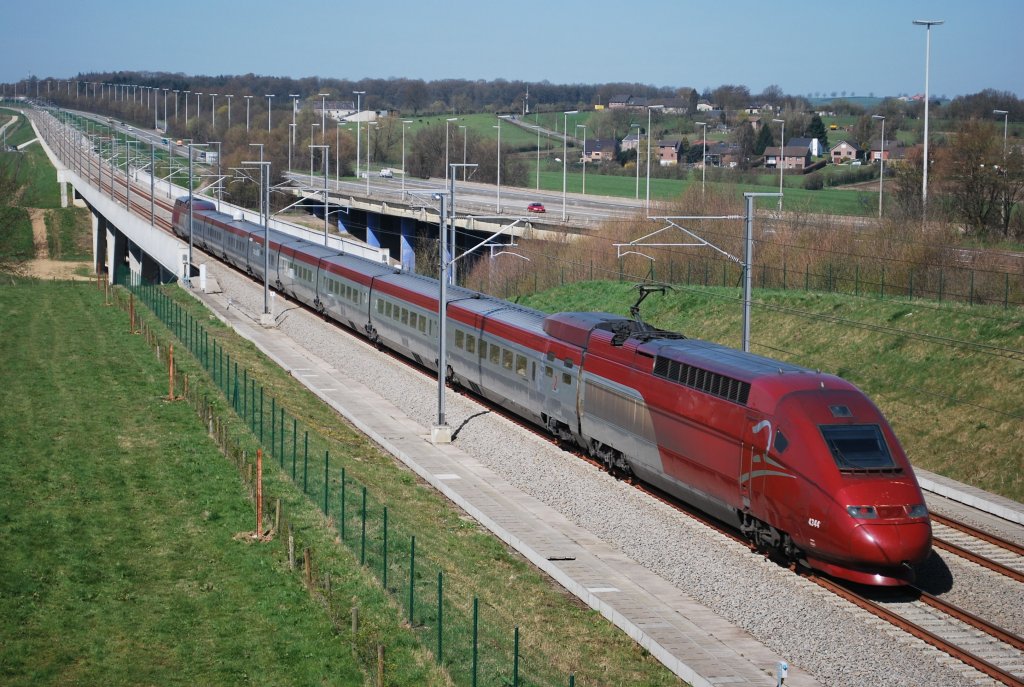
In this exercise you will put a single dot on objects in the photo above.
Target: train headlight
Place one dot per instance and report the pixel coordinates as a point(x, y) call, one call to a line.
point(917, 511)
point(862, 512)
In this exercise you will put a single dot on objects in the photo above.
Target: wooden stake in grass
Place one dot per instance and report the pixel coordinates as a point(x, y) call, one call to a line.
point(170, 373)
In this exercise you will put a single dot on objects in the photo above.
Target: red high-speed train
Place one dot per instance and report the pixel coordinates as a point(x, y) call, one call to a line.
point(802, 462)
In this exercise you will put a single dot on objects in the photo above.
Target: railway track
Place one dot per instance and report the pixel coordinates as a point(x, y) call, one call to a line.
point(985, 549)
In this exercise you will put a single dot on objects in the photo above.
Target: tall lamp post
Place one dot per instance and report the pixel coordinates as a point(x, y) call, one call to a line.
point(638, 136)
point(649, 137)
point(703, 155)
point(447, 127)
point(323, 116)
point(213, 108)
point(881, 164)
point(928, 24)
point(1006, 123)
point(565, 154)
point(269, 96)
point(186, 106)
point(584, 158)
point(359, 108)
point(248, 98)
point(405, 122)
point(498, 205)
point(294, 97)
point(229, 96)
point(782, 157)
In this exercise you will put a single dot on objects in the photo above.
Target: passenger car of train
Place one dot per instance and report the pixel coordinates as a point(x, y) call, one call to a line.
point(802, 462)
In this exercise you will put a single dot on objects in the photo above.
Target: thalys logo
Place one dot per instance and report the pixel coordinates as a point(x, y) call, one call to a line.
point(761, 465)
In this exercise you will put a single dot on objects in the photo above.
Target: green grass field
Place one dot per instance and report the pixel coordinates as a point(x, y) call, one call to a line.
point(120, 516)
point(947, 376)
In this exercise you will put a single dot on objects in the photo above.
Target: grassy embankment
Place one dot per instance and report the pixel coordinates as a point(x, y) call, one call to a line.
point(947, 376)
point(120, 519)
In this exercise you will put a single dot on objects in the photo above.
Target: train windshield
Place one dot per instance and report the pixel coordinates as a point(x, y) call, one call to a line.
point(858, 447)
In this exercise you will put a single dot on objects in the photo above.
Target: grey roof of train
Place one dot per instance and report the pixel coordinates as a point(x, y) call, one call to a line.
point(725, 359)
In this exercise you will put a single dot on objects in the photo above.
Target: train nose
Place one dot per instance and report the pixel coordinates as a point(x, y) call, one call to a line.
point(892, 544)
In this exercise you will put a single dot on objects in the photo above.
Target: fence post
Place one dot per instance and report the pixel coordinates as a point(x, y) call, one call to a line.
point(440, 614)
point(261, 413)
point(341, 520)
point(515, 659)
point(476, 618)
point(412, 576)
point(259, 493)
point(273, 422)
point(281, 453)
point(327, 479)
point(384, 567)
point(305, 465)
point(295, 441)
point(362, 539)
point(245, 393)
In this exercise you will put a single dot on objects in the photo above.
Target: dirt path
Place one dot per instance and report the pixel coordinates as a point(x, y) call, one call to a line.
point(42, 267)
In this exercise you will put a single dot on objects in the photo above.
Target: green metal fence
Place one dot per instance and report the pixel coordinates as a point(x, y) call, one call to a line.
point(468, 639)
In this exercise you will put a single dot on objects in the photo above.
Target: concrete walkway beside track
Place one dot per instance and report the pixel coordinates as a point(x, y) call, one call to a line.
point(693, 642)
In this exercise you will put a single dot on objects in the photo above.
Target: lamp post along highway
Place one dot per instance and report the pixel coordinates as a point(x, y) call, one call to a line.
point(928, 24)
point(782, 157)
point(649, 137)
point(359, 108)
point(881, 164)
point(1006, 124)
point(247, 99)
point(565, 155)
point(703, 155)
point(323, 117)
point(269, 109)
point(229, 96)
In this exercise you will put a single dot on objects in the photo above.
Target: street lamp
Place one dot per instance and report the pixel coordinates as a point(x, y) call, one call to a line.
point(1006, 122)
point(782, 157)
point(291, 138)
point(928, 24)
point(565, 153)
point(447, 125)
point(881, 164)
point(638, 136)
point(465, 137)
point(498, 205)
point(186, 106)
point(313, 125)
point(294, 98)
point(404, 123)
point(584, 158)
point(368, 124)
point(269, 96)
point(213, 107)
point(359, 109)
point(323, 116)
point(229, 96)
point(538, 156)
point(703, 155)
point(247, 99)
point(199, 97)
point(649, 137)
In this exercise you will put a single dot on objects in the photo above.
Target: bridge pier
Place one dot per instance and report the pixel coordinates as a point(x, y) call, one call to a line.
point(407, 249)
point(373, 229)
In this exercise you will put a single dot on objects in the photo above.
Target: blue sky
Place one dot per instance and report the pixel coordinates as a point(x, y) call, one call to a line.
point(861, 47)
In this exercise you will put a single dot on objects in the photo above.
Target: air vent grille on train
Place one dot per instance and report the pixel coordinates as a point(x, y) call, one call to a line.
point(702, 380)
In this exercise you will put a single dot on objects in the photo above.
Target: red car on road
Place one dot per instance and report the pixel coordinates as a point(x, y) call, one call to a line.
point(535, 207)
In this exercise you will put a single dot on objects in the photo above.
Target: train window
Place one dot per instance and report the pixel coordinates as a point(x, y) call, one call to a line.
point(857, 447)
point(412, 319)
point(470, 343)
point(423, 324)
point(506, 359)
point(551, 356)
point(781, 442)
point(483, 348)
point(380, 306)
point(495, 356)
point(566, 378)
point(405, 316)
point(568, 363)
point(460, 339)
point(387, 309)
point(521, 365)
point(548, 371)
